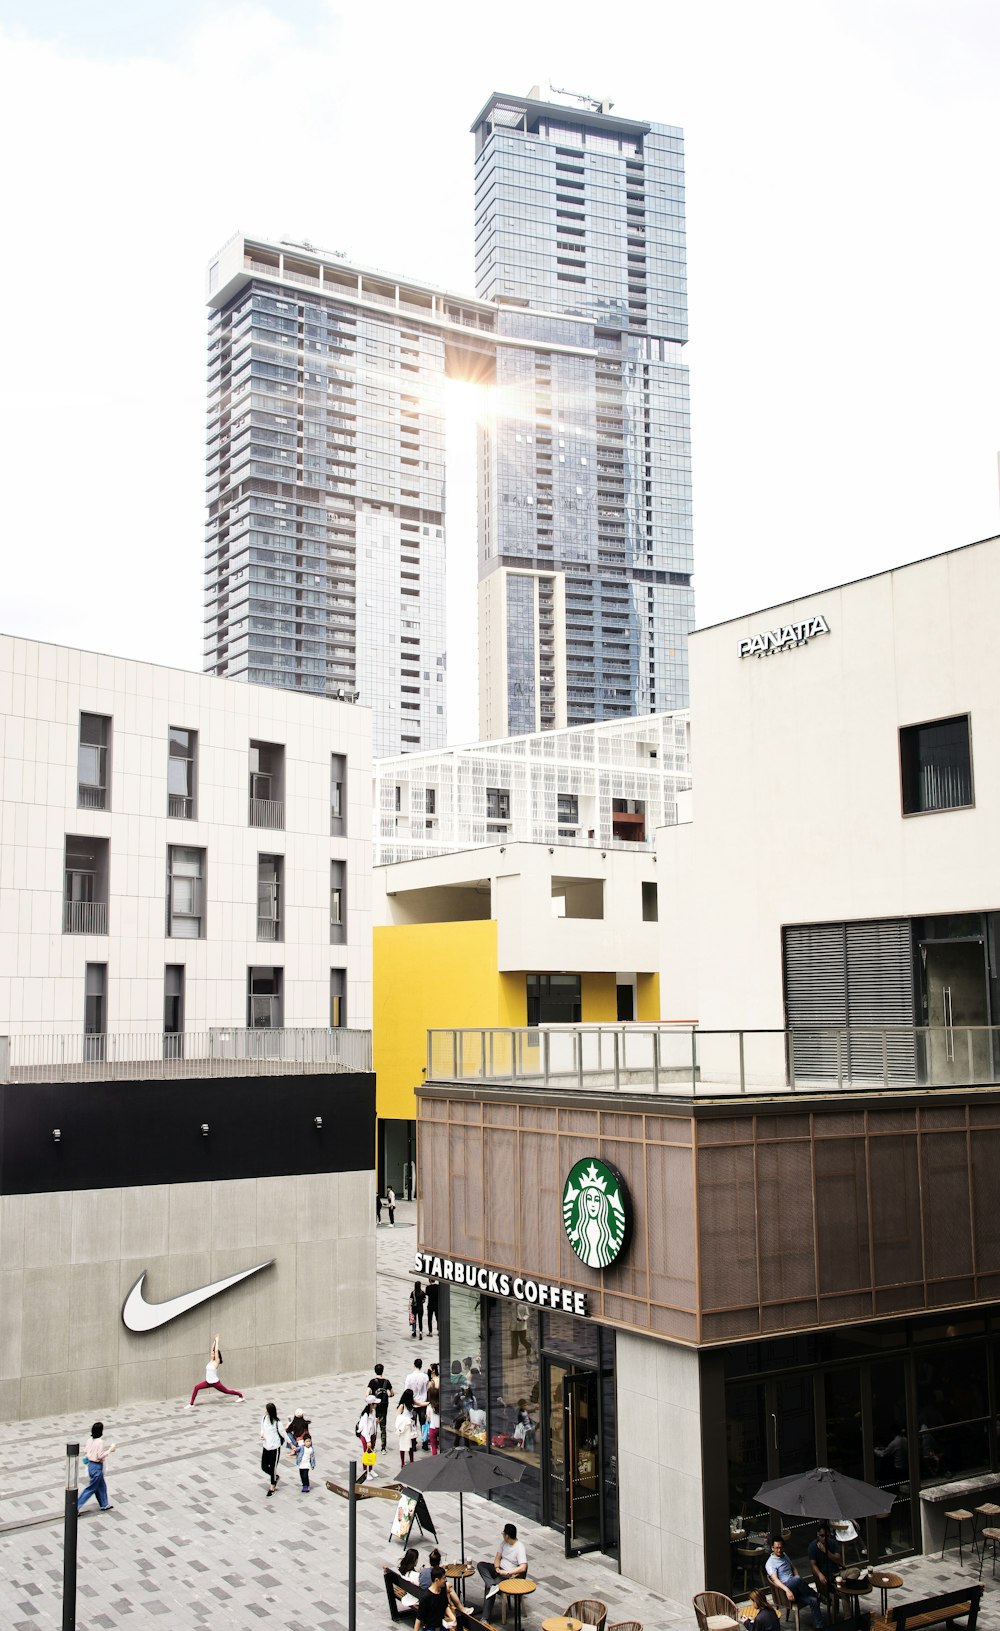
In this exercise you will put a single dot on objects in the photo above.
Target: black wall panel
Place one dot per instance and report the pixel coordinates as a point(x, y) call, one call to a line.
point(114, 1134)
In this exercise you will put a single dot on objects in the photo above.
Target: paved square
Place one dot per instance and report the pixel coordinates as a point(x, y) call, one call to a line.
point(193, 1536)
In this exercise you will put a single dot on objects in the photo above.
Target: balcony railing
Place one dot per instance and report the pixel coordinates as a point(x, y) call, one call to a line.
point(154, 1055)
point(179, 808)
point(685, 1061)
point(85, 917)
point(268, 928)
point(90, 797)
point(267, 813)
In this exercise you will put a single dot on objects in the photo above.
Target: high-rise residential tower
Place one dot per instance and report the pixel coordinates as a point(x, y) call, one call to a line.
point(585, 508)
point(325, 549)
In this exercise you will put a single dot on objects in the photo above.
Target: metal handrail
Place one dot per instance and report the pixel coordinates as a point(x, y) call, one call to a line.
point(152, 1055)
point(689, 1061)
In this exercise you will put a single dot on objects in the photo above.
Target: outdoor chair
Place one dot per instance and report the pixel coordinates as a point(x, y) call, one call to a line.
point(713, 1606)
point(625, 1625)
point(395, 1586)
point(590, 1611)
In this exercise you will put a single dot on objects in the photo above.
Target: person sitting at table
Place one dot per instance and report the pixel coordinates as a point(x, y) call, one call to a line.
point(409, 1571)
point(433, 1560)
point(510, 1563)
point(784, 1579)
point(764, 1619)
point(824, 1560)
point(439, 1608)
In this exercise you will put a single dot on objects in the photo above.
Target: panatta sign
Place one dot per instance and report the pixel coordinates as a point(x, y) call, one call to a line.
point(790, 634)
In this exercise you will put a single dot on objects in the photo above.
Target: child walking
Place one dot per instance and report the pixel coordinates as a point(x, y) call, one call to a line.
point(305, 1460)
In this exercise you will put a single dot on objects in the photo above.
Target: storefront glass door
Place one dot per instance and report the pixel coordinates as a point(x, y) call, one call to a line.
point(583, 1461)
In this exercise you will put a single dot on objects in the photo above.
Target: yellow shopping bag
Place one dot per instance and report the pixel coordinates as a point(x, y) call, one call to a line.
point(368, 1458)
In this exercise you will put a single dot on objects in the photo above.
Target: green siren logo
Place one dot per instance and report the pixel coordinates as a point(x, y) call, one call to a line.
point(596, 1212)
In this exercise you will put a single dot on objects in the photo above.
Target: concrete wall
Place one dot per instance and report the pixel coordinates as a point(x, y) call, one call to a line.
point(68, 1260)
point(660, 1466)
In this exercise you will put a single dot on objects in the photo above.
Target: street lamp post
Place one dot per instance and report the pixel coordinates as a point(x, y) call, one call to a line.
point(69, 1539)
point(352, 1546)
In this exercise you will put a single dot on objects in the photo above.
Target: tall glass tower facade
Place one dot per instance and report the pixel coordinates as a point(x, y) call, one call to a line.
point(586, 599)
point(325, 555)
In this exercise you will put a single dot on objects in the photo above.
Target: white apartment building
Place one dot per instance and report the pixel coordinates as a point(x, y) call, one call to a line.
point(605, 786)
point(179, 852)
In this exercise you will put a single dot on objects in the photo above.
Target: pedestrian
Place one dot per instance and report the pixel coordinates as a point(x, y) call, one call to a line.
point(432, 1308)
point(305, 1460)
point(378, 1209)
point(433, 1412)
point(519, 1331)
point(406, 1425)
point(416, 1383)
point(272, 1438)
point(390, 1201)
point(94, 1457)
point(366, 1428)
point(212, 1377)
point(417, 1300)
point(382, 1391)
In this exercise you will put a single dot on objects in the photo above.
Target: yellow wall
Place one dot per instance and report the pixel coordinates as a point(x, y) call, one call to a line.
point(430, 976)
point(443, 976)
point(598, 999)
point(647, 997)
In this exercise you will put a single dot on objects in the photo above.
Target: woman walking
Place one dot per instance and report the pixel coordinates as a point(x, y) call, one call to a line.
point(95, 1455)
point(272, 1437)
point(406, 1425)
point(417, 1299)
point(212, 1377)
point(433, 1417)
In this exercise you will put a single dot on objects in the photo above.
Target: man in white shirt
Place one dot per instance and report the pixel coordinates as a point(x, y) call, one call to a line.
point(510, 1563)
point(417, 1380)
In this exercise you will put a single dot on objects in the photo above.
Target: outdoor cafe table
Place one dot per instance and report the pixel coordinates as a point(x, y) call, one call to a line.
point(886, 1582)
point(517, 1589)
point(460, 1572)
point(850, 1590)
point(559, 1622)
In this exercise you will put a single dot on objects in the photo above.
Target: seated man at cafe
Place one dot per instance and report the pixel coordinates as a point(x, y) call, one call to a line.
point(439, 1607)
point(824, 1560)
point(784, 1580)
point(510, 1563)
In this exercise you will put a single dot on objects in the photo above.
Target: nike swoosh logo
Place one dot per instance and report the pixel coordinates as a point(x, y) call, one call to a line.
point(139, 1315)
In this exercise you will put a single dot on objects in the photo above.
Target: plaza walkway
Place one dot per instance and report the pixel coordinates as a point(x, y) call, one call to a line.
point(193, 1538)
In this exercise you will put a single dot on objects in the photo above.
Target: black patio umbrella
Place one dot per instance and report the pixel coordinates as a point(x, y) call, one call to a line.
point(824, 1493)
point(461, 1471)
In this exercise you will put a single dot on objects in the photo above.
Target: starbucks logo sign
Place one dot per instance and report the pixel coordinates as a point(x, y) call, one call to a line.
point(596, 1212)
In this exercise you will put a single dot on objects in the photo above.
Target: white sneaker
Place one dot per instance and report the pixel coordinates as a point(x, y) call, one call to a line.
point(189, 1407)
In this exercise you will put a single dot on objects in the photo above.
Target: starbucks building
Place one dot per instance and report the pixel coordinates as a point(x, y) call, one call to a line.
point(656, 1301)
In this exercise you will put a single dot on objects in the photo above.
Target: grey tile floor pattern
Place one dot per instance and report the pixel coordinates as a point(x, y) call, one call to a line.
point(192, 1536)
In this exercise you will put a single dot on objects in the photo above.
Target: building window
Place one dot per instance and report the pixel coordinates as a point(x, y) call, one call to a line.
point(265, 999)
point(497, 809)
point(181, 773)
point(269, 903)
point(397, 799)
point(85, 888)
point(430, 801)
point(650, 904)
point(95, 1016)
point(936, 765)
point(554, 999)
point(628, 820)
point(185, 893)
point(173, 1011)
point(568, 814)
point(267, 785)
point(338, 903)
point(338, 795)
point(93, 762)
point(338, 998)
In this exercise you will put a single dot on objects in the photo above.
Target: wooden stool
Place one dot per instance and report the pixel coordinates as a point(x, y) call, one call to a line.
point(989, 1512)
point(991, 1535)
point(750, 1562)
point(957, 1516)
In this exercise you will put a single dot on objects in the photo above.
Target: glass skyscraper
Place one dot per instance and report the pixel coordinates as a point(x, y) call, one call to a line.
point(585, 504)
point(325, 548)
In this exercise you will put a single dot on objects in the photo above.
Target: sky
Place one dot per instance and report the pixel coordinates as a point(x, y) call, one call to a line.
point(843, 242)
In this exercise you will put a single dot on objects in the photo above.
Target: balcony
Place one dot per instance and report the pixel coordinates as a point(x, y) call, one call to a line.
point(155, 1055)
point(85, 917)
point(267, 813)
point(683, 1061)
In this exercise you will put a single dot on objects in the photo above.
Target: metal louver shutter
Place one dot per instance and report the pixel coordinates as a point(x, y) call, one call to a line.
point(815, 997)
point(880, 995)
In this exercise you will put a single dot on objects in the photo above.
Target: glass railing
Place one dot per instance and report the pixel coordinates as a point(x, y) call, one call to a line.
point(686, 1061)
point(219, 1051)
